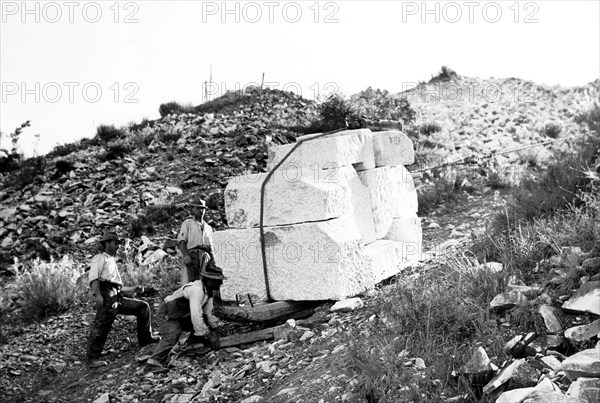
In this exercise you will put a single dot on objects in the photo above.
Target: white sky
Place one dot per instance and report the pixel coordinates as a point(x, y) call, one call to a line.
point(165, 51)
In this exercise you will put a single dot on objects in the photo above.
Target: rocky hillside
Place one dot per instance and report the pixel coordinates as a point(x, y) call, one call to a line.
point(83, 189)
point(138, 181)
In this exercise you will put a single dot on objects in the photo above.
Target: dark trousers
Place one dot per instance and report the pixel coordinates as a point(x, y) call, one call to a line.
point(105, 316)
point(170, 332)
point(199, 259)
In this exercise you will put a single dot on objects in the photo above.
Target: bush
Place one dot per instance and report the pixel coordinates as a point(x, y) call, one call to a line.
point(428, 129)
point(335, 112)
point(116, 150)
point(10, 162)
point(552, 130)
point(174, 108)
point(108, 133)
point(50, 288)
point(376, 105)
point(29, 171)
point(446, 74)
point(62, 150)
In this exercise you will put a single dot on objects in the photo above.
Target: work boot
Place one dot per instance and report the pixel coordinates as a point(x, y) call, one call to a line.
point(96, 363)
point(194, 339)
point(213, 340)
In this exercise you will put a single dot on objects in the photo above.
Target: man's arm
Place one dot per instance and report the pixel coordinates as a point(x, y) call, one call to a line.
point(184, 251)
point(97, 295)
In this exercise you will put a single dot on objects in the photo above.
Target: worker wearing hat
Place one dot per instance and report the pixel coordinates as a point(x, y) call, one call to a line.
point(107, 287)
point(195, 242)
point(184, 311)
point(196, 246)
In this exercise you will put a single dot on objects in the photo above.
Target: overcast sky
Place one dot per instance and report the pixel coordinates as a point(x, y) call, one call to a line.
point(69, 66)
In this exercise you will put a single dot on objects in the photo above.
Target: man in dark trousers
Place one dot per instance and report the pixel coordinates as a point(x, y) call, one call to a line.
point(186, 310)
point(105, 280)
point(195, 243)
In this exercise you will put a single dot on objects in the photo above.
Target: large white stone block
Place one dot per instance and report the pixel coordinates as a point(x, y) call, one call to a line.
point(361, 210)
point(404, 200)
point(238, 253)
point(387, 258)
point(289, 199)
point(325, 195)
point(381, 187)
point(310, 261)
point(351, 147)
point(408, 231)
point(392, 148)
point(393, 194)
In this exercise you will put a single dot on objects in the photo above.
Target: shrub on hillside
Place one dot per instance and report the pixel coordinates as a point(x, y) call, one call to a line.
point(446, 74)
point(10, 162)
point(108, 133)
point(376, 105)
point(116, 150)
point(335, 112)
point(428, 129)
point(552, 130)
point(28, 172)
point(50, 288)
point(174, 108)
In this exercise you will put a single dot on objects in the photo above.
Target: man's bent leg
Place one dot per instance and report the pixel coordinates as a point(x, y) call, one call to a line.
point(170, 332)
point(141, 310)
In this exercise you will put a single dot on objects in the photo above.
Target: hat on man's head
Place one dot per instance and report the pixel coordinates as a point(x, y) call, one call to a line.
point(198, 203)
point(212, 271)
point(110, 236)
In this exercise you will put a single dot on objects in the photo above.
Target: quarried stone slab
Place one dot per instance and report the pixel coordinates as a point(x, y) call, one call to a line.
point(584, 364)
point(387, 258)
point(393, 148)
point(408, 231)
point(365, 136)
point(289, 199)
point(310, 261)
point(585, 299)
point(342, 149)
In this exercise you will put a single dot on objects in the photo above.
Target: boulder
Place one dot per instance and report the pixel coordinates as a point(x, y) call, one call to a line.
point(388, 258)
point(408, 231)
point(585, 390)
point(584, 364)
point(393, 148)
point(347, 305)
point(507, 300)
point(330, 194)
point(392, 195)
point(585, 299)
point(329, 152)
point(519, 373)
point(584, 332)
point(551, 319)
point(545, 386)
point(310, 261)
point(289, 199)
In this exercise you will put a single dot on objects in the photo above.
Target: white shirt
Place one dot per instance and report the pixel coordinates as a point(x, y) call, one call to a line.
point(195, 233)
point(104, 267)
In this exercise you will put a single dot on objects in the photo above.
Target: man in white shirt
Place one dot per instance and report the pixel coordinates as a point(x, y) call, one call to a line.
point(196, 246)
point(195, 243)
point(106, 284)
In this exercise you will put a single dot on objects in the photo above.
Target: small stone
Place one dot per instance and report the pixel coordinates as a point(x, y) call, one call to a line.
point(347, 305)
